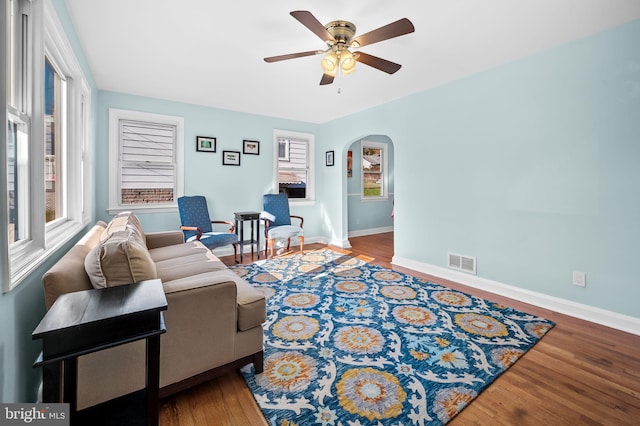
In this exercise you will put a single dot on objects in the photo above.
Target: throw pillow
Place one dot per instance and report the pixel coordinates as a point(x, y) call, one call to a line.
point(120, 259)
point(123, 221)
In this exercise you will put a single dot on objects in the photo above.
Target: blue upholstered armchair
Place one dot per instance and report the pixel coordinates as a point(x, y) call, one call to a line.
point(197, 225)
point(278, 221)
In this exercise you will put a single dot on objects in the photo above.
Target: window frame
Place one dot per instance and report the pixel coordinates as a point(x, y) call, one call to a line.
point(385, 170)
point(45, 36)
point(311, 187)
point(115, 115)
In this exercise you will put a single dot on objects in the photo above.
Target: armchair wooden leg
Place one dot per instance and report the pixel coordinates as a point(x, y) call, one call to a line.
point(301, 244)
point(272, 242)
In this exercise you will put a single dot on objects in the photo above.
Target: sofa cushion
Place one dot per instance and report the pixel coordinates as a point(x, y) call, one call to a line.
point(185, 249)
point(251, 309)
point(186, 266)
point(122, 258)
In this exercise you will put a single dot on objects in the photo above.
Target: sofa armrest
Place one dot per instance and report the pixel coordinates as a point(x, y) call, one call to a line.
point(163, 239)
point(201, 324)
point(201, 333)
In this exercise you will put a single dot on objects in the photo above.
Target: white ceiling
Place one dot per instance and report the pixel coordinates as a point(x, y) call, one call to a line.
point(210, 53)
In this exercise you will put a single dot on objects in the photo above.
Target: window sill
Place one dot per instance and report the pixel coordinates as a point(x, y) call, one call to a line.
point(143, 209)
point(370, 199)
point(27, 259)
point(293, 202)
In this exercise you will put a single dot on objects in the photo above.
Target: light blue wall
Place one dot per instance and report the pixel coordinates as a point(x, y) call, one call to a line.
point(20, 312)
point(533, 167)
point(228, 188)
point(22, 309)
point(362, 214)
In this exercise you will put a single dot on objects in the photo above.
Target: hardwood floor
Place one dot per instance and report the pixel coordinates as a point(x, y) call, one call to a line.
point(580, 373)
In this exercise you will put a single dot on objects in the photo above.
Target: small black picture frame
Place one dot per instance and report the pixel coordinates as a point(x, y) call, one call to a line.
point(329, 158)
point(230, 158)
point(250, 147)
point(205, 144)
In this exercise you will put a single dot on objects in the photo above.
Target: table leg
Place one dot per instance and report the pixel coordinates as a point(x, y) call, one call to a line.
point(252, 240)
point(51, 382)
point(241, 239)
point(258, 237)
point(153, 380)
point(70, 383)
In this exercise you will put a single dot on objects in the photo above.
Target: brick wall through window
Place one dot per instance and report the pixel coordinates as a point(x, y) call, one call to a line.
point(147, 196)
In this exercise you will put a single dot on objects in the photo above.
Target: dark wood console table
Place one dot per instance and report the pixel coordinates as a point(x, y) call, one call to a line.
point(253, 217)
point(88, 321)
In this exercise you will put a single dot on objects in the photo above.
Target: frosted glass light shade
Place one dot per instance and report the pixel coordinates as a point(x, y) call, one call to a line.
point(347, 62)
point(330, 63)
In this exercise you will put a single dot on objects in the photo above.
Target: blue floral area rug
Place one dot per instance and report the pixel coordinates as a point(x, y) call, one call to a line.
point(349, 343)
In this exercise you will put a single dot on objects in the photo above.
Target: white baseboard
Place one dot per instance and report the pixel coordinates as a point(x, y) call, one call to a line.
point(343, 244)
point(371, 231)
point(578, 310)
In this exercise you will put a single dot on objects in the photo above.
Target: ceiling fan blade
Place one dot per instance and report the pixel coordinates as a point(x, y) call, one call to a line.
point(378, 63)
point(326, 79)
point(395, 29)
point(292, 56)
point(308, 20)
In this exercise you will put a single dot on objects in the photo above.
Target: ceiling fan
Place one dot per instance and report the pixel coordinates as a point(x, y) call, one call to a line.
point(339, 38)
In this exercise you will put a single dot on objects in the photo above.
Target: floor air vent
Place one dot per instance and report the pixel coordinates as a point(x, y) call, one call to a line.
point(462, 263)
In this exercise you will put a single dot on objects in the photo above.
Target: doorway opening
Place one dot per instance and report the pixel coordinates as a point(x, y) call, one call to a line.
point(370, 188)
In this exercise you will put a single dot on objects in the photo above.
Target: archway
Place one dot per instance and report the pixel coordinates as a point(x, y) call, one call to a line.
point(370, 186)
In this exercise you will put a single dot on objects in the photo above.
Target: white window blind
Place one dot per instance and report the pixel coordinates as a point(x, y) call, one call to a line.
point(147, 162)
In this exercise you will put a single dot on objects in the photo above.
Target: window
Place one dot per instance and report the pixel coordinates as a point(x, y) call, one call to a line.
point(294, 164)
point(18, 180)
point(44, 108)
point(374, 170)
point(17, 52)
point(54, 139)
point(17, 118)
point(145, 161)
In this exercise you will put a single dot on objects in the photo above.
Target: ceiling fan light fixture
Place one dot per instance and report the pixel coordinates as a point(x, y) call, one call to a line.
point(339, 38)
point(330, 63)
point(347, 62)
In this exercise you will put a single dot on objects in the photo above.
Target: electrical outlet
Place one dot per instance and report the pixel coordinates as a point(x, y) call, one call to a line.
point(579, 278)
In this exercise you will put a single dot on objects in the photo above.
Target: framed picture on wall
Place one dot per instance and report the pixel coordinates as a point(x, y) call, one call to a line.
point(230, 158)
point(205, 144)
point(329, 158)
point(251, 147)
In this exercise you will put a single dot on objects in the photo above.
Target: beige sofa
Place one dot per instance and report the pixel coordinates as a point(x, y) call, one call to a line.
point(214, 318)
